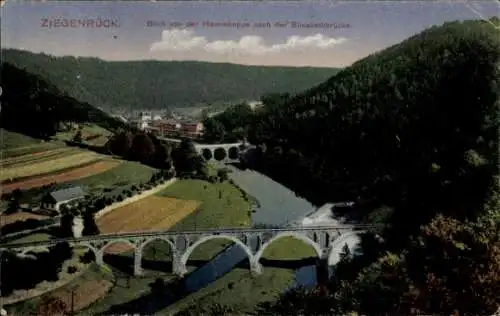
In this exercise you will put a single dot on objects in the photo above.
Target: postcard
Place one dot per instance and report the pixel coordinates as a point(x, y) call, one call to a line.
point(249, 157)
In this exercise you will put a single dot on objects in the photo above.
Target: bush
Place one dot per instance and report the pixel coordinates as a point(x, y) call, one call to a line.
point(222, 174)
point(212, 179)
point(87, 257)
point(71, 269)
point(119, 198)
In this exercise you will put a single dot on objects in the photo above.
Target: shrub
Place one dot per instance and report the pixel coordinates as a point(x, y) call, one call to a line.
point(87, 257)
point(212, 179)
point(71, 269)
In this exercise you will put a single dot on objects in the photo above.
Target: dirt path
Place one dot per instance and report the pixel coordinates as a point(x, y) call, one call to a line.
point(135, 198)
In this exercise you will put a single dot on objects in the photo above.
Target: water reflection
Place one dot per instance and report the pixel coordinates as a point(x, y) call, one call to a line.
point(277, 204)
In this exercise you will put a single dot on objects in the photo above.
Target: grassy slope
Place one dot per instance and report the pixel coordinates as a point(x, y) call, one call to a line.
point(15, 144)
point(126, 174)
point(87, 130)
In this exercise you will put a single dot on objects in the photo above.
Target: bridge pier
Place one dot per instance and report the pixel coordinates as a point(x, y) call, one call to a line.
point(322, 271)
point(137, 262)
point(255, 267)
point(99, 257)
point(178, 267)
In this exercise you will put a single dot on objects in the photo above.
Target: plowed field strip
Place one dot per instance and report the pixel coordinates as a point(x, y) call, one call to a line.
point(19, 216)
point(48, 166)
point(34, 156)
point(38, 159)
point(70, 175)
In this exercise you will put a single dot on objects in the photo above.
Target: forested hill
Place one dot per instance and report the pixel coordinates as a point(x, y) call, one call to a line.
point(391, 118)
point(34, 107)
point(411, 133)
point(160, 84)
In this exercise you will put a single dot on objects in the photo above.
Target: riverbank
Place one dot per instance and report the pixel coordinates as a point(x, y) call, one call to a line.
point(277, 205)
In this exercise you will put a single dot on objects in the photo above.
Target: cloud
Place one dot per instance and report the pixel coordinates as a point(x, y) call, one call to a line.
point(182, 40)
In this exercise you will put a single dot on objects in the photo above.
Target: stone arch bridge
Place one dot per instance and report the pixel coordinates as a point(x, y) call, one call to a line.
point(226, 153)
point(324, 240)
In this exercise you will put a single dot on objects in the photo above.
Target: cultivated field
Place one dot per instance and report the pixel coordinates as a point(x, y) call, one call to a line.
point(151, 213)
point(19, 216)
point(65, 176)
point(52, 165)
point(38, 157)
point(126, 174)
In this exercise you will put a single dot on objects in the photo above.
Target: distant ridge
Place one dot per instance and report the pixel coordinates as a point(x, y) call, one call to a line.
point(160, 84)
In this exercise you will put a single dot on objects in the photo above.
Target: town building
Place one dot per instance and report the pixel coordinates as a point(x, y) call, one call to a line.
point(168, 128)
point(53, 200)
point(191, 130)
point(152, 130)
point(176, 129)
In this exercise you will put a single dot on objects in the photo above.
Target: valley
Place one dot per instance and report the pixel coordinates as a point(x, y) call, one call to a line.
point(187, 185)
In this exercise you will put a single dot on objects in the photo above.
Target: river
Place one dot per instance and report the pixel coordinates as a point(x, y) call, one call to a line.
point(277, 206)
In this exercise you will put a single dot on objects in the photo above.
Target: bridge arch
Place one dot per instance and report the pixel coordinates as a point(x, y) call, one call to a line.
point(207, 154)
point(86, 245)
point(185, 256)
point(220, 153)
point(117, 241)
point(233, 152)
point(89, 246)
point(141, 247)
point(298, 236)
point(337, 245)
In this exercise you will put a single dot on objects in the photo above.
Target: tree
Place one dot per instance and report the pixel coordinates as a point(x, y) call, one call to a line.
point(120, 143)
point(67, 225)
point(15, 200)
point(461, 266)
point(162, 157)
point(222, 174)
point(213, 131)
point(186, 158)
point(78, 136)
point(89, 225)
point(142, 148)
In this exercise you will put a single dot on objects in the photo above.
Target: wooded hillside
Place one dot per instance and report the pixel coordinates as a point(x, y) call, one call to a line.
point(161, 84)
point(35, 107)
point(410, 134)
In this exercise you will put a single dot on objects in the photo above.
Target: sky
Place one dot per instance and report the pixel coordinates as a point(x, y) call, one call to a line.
point(307, 33)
